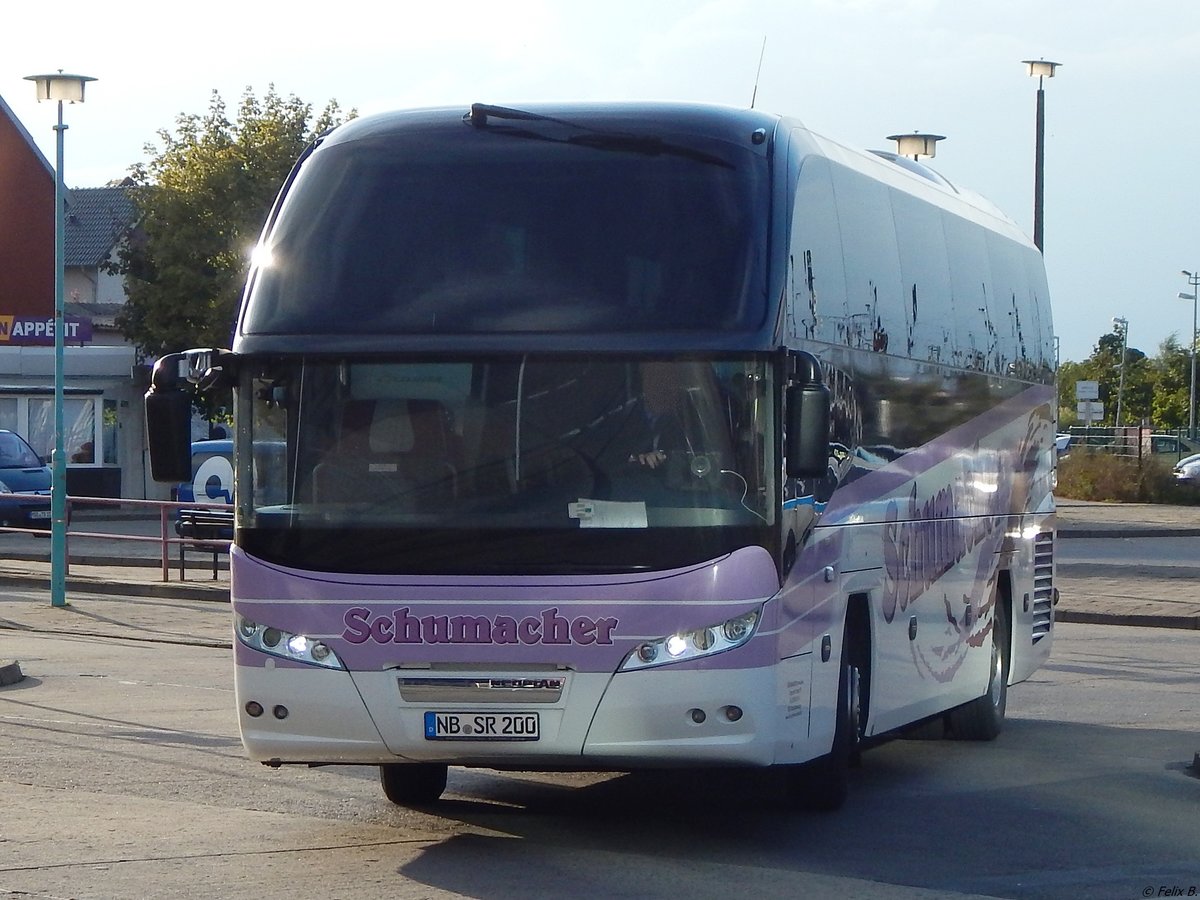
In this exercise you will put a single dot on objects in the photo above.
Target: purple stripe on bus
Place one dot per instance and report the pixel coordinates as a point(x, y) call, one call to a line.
point(587, 623)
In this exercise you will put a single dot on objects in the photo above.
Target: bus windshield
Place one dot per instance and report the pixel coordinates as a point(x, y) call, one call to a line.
point(497, 464)
point(415, 233)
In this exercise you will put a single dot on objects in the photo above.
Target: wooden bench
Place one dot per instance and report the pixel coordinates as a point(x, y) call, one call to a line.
point(200, 528)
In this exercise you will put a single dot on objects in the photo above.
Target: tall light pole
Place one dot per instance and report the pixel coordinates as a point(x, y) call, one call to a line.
point(1122, 328)
point(1194, 281)
point(59, 88)
point(1040, 69)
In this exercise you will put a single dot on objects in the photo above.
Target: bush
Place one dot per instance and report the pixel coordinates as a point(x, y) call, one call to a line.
point(1095, 475)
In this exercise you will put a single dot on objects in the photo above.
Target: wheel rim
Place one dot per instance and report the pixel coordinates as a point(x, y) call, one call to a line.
point(997, 686)
point(854, 703)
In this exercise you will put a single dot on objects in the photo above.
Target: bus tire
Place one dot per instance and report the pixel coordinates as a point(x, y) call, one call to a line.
point(823, 784)
point(983, 718)
point(407, 784)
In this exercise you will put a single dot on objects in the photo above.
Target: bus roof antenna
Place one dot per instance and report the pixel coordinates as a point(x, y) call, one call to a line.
point(758, 72)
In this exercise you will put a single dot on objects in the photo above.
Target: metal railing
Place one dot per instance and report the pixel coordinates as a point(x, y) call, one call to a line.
point(166, 538)
point(1135, 442)
point(1115, 441)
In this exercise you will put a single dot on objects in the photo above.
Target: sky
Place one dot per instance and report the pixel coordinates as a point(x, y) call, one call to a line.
point(1122, 203)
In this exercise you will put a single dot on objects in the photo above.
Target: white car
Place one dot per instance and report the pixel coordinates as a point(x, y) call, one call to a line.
point(1187, 470)
point(1062, 442)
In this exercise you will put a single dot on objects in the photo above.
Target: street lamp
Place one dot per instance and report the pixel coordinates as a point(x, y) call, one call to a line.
point(1121, 326)
point(59, 88)
point(916, 144)
point(1041, 69)
point(1194, 281)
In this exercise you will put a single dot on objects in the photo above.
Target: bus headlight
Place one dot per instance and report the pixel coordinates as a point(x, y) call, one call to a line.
point(685, 645)
point(286, 645)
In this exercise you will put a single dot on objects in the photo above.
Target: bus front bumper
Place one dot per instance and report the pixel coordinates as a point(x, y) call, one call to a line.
point(653, 718)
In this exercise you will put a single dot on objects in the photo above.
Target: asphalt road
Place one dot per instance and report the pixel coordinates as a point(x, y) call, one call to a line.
point(123, 776)
point(1183, 552)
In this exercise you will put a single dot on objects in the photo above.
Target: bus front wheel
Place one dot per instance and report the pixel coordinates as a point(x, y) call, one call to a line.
point(822, 785)
point(412, 783)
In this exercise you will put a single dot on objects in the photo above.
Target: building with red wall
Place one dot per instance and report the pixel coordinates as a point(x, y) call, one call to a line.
point(26, 222)
point(103, 383)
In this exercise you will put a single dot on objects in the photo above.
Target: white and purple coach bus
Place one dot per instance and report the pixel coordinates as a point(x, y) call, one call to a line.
point(627, 436)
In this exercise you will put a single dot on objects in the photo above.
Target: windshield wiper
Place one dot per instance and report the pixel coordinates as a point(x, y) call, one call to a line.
point(481, 112)
point(615, 141)
point(647, 145)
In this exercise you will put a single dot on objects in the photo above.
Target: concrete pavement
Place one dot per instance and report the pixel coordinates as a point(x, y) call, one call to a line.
point(125, 596)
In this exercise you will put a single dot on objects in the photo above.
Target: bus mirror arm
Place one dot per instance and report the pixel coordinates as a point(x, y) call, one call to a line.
point(807, 420)
point(201, 369)
point(211, 369)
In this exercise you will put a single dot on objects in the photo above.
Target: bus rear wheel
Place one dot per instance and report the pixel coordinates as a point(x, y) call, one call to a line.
point(983, 718)
point(407, 784)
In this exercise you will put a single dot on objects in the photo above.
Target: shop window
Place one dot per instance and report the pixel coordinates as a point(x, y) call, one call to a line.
point(79, 428)
point(41, 427)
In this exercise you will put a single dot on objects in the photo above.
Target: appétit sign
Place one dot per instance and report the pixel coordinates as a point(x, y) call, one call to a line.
point(33, 330)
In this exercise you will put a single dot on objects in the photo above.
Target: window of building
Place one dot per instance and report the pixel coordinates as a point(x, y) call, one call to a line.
point(8, 414)
point(88, 422)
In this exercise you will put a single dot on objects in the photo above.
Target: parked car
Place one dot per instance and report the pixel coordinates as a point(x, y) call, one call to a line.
point(212, 482)
point(1187, 470)
point(22, 472)
point(1173, 445)
point(212, 473)
point(1062, 442)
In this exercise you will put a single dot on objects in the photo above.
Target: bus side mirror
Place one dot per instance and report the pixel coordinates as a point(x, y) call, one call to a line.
point(169, 423)
point(807, 421)
point(168, 432)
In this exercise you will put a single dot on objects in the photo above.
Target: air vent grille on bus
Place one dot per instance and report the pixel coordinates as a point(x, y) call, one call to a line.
point(1043, 585)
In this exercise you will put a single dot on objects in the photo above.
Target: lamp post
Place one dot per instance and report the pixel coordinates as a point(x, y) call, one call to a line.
point(1121, 326)
point(916, 144)
point(1194, 281)
point(1041, 69)
point(59, 88)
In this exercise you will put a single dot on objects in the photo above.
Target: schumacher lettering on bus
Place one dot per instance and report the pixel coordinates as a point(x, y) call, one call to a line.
point(402, 627)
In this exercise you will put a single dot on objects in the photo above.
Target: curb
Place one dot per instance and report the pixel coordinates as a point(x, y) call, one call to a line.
point(167, 590)
point(131, 562)
point(1081, 617)
point(1116, 532)
point(1123, 570)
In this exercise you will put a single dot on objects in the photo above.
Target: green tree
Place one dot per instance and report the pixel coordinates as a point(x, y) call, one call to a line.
point(202, 199)
point(1157, 389)
point(1138, 397)
point(1173, 371)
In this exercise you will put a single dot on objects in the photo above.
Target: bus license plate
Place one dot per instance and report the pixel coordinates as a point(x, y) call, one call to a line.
point(39, 514)
point(469, 726)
